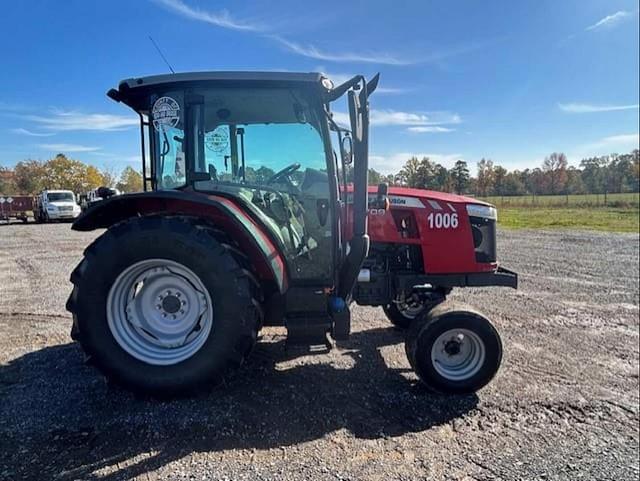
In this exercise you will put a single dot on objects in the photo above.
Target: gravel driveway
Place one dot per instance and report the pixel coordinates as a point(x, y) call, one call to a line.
point(564, 405)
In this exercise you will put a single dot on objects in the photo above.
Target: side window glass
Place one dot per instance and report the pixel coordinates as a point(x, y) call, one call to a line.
point(217, 147)
point(167, 126)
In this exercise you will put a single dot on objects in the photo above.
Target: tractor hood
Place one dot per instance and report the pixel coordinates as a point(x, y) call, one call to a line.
point(429, 195)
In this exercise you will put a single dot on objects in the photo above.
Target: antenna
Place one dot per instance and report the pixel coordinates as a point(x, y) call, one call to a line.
point(161, 54)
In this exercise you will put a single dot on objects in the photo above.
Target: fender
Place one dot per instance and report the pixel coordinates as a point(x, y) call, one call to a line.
point(219, 211)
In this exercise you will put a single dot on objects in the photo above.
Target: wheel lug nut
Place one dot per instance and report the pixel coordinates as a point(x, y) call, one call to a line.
point(158, 306)
point(173, 317)
point(181, 311)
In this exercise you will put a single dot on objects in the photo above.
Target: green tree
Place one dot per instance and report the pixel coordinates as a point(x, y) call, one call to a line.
point(411, 173)
point(460, 176)
point(574, 181)
point(375, 177)
point(499, 177)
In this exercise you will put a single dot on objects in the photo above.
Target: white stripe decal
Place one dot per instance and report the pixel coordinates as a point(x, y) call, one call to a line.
point(453, 209)
point(434, 204)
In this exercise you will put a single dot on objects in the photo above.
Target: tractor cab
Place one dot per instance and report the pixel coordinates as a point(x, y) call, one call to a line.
point(262, 140)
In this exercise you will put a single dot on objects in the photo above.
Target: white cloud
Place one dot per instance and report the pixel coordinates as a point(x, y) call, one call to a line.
point(382, 58)
point(60, 120)
point(219, 19)
point(431, 129)
point(68, 148)
point(610, 20)
point(379, 118)
point(224, 19)
point(392, 163)
point(622, 142)
point(393, 117)
point(314, 52)
point(576, 108)
point(22, 131)
point(392, 90)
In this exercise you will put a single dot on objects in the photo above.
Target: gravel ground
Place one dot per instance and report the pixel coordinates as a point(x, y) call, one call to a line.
point(564, 405)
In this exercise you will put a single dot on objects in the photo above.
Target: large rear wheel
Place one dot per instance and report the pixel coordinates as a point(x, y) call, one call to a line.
point(453, 349)
point(162, 306)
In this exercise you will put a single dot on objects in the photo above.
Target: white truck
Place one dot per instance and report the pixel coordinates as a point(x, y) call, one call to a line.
point(96, 195)
point(50, 205)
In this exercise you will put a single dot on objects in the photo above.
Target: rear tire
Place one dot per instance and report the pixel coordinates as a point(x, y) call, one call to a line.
point(141, 264)
point(453, 349)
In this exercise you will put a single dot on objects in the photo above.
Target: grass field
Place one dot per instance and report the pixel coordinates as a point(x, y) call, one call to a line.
point(620, 213)
point(582, 200)
point(615, 219)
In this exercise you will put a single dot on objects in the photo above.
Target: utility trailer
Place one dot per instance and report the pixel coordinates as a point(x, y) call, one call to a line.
point(247, 220)
point(18, 207)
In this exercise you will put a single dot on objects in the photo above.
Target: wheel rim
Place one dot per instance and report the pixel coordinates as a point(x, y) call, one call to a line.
point(458, 354)
point(159, 311)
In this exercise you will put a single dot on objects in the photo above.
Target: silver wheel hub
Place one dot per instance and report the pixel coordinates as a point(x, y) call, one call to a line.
point(159, 311)
point(458, 354)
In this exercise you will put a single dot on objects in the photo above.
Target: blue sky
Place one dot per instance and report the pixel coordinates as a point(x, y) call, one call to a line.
point(510, 81)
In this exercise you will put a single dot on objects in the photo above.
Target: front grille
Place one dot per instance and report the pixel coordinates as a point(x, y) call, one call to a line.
point(65, 208)
point(484, 238)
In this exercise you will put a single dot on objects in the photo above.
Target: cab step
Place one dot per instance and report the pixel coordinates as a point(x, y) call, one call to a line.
point(308, 331)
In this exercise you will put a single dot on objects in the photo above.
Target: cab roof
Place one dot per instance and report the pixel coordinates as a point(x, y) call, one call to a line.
point(234, 76)
point(131, 90)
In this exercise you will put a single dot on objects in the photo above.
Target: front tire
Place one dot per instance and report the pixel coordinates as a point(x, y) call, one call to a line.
point(453, 349)
point(162, 307)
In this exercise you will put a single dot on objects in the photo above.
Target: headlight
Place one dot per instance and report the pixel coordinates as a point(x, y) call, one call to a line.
point(484, 211)
point(51, 207)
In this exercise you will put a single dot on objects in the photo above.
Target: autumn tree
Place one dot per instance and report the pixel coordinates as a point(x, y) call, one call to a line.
point(555, 169)
point(484, 181)
point(30, 176)
point(130, 180)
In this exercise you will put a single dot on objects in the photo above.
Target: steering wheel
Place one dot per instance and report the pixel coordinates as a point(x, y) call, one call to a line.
point(284, 173)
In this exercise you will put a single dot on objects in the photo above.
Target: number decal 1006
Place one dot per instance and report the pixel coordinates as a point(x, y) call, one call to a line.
point(441, 220)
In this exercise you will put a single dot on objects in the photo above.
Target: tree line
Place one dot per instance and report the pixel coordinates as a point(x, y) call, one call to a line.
point(61, 172)
point(595, 175)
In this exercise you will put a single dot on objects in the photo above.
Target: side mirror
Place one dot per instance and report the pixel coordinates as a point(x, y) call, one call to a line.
point(347, 150)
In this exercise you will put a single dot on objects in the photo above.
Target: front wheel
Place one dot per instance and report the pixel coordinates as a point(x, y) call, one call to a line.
point(453, 349)
point(162, 306)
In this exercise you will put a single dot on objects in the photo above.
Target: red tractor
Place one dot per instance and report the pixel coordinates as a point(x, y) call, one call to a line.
point(247, 220)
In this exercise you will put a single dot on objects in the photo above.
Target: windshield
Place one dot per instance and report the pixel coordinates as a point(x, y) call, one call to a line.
point(60, 197)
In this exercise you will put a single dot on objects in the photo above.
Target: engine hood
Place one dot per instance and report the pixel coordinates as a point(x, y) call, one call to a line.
point(429, 195)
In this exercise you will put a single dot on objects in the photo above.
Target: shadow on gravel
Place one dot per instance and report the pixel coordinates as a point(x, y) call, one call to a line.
point(59, 419)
